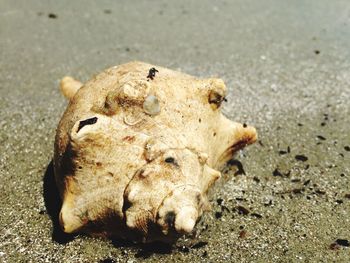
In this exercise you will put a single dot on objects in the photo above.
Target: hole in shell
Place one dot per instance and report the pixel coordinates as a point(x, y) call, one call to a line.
point(170, 219)
point(89, 121)
point(171, 160)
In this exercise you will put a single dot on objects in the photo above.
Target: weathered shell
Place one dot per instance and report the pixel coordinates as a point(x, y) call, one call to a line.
point(137, 150)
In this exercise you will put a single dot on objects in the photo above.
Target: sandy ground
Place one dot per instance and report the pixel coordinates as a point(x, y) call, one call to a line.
point(287, 66)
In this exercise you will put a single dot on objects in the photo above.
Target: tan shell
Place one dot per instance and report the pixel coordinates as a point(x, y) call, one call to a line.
point(139, 167)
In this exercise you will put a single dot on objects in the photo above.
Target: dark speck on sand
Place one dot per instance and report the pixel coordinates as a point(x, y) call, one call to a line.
point(52, 15)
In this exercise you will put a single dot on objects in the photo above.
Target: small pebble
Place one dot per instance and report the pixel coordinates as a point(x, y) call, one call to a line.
point(151, 105)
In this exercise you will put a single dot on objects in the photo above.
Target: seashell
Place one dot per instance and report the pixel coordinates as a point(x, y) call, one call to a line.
point(122, 174)
point(151, 105)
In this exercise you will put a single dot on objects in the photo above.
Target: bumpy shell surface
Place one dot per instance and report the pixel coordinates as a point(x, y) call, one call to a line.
point(135, 152)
